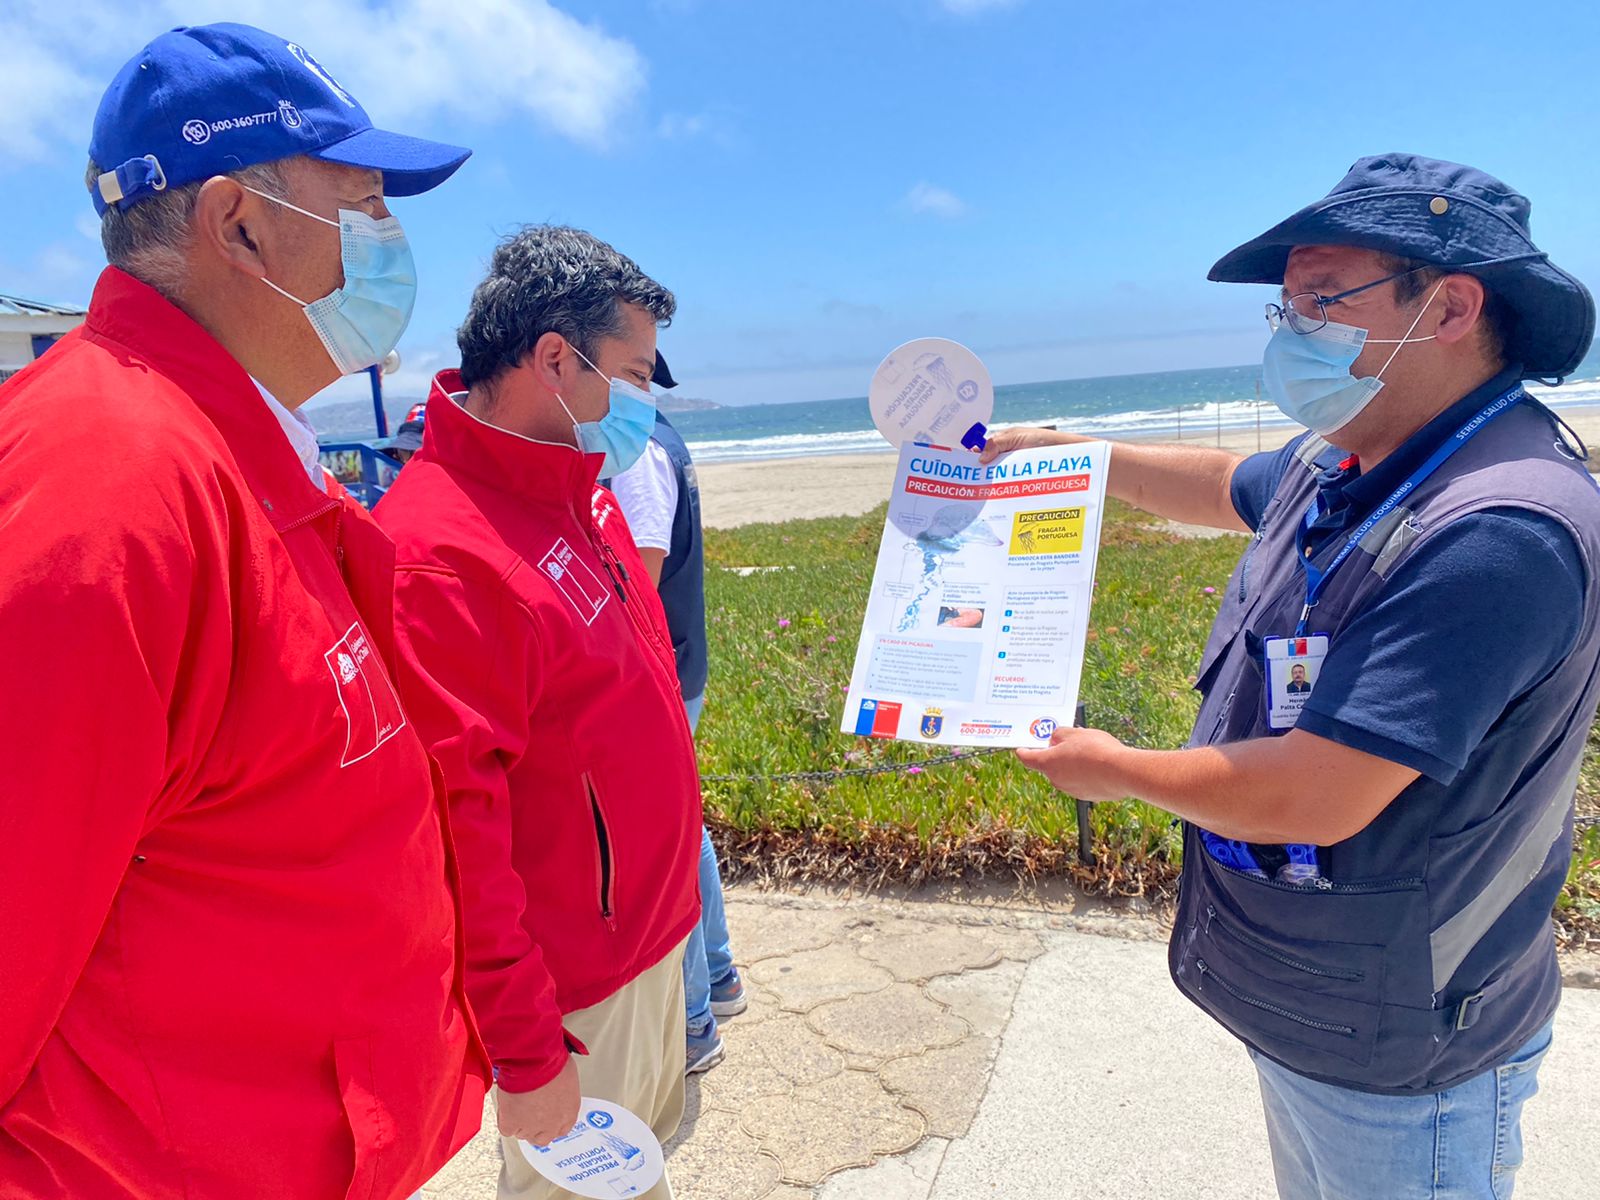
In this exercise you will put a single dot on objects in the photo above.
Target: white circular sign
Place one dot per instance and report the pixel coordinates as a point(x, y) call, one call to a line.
point(609, 1153)
point(931, 390)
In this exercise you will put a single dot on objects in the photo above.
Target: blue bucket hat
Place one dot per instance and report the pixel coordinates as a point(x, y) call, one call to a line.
point(210, 99)
point(1453, 217)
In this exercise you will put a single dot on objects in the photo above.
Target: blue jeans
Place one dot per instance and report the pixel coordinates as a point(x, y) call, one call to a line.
point(1334, 1143)
point(708, 955)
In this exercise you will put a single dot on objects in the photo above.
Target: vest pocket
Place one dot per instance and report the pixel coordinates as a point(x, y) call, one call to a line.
point(1317, 1032)
point(1258, 956)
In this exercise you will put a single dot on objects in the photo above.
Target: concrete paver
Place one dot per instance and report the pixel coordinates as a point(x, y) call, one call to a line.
point(847, 1121)
point(893, 1023)
point(909, 1177)
point(905, 1050)
point(980, 998)
point(803, 981)
point(945, 1085)
point(916, 951)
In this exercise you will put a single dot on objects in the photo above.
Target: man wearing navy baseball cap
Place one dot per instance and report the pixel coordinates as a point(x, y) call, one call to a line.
point(229, 951)
point(1370, 858)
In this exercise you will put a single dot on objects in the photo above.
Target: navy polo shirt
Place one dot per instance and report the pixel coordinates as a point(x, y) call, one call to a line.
point(1472, 619)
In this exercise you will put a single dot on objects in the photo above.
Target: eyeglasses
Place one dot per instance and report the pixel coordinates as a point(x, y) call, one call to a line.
point(1307, 312)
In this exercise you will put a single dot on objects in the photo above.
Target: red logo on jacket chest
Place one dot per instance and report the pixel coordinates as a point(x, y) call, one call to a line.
point(371, 709)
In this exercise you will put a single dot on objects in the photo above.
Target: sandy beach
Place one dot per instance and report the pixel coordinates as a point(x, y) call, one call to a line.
point(842, 485)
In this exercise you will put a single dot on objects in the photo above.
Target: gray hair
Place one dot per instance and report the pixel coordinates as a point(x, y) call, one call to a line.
point(149, 239)
point(551, 279)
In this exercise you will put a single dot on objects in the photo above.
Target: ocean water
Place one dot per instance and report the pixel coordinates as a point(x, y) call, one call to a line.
point(1166, 404)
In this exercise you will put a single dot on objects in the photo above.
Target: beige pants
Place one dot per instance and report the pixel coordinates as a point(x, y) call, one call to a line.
point(635, 1059)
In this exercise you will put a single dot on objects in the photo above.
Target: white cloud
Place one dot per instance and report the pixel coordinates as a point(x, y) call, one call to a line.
point(925, 198)
point(444, 63)
point(680, 126)
point(57, 272)
point(48, 102)
point(968, 8)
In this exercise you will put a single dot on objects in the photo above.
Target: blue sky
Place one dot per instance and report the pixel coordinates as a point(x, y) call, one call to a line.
point(1045, 180)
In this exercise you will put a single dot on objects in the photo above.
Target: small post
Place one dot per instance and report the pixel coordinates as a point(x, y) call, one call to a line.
point(1258, 416)
point(1180, 422)
point(1219, 424)
point(379, 417)
point(1085, 834)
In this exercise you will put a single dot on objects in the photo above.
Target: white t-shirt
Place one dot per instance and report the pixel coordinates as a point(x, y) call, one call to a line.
point(302, 437)
point(648, 493)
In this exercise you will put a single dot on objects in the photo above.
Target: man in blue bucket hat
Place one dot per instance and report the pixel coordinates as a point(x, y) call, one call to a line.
point(1370, 861)
point(229, 951)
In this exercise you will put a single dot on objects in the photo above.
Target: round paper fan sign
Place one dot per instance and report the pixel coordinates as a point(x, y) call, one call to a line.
point(609, 1153)
point(930, 390)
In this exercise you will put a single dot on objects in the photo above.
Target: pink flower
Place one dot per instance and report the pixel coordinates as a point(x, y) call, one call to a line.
point(913, 770)
point(831, 639)
point(1211, 591)
point(784, 623)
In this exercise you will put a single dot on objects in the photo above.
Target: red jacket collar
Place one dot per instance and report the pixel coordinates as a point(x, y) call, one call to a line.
point(539, 471)
point(135, 317)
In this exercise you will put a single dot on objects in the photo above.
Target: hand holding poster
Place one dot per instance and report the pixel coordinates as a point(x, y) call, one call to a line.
point(975, 627)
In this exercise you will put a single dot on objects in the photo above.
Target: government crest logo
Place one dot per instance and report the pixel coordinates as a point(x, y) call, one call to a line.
point(289, 114)
point(932, 722)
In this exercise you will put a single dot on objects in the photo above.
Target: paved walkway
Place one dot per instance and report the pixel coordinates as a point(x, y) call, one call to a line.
point(902, 1050)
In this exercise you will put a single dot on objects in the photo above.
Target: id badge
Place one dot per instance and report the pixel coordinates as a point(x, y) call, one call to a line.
point(1293, 664)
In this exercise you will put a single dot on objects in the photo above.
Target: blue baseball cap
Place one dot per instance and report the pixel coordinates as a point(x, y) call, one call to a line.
point(1456, 218)
point(211, 99)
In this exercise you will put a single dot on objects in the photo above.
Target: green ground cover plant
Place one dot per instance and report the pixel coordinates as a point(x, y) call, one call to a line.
point(782, 642)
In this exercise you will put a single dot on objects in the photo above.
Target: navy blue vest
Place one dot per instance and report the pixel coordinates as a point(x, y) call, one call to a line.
point(1425, 956)
point(683, 576)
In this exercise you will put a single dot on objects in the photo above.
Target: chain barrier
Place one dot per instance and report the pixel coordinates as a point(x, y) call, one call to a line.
point(942, 760)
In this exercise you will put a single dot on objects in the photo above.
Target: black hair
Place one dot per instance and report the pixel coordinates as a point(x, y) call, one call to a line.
point(1498, 320)
point(551, 279)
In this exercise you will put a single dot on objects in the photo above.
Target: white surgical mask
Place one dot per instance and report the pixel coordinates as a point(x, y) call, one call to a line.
point(360, 322)
point(1308, 374)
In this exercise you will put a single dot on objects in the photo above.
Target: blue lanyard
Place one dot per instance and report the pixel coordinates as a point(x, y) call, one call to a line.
point(1317, 579)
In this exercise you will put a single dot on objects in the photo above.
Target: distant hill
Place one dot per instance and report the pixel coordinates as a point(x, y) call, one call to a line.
point(669, 404)
point(353, 418)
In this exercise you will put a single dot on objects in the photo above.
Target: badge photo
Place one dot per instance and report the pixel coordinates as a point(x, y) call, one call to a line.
point(1292, 667)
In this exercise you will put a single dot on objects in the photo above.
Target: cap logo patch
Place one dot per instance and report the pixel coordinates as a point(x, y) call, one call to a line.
point(316, 69)
point(197, 132)
point(289, 113)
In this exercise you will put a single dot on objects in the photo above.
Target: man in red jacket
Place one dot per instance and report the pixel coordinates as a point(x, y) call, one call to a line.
point(544, 683)
point(230, 964)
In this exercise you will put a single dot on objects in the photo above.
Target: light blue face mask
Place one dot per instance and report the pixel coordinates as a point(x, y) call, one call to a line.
point(623, 433)
point(1308, 374)
point(362, 321)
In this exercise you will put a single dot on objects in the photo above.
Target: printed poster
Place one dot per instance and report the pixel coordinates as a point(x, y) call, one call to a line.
point(979, 611)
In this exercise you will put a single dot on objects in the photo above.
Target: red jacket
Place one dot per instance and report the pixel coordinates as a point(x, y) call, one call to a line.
point(544, 683)
point(229, 954)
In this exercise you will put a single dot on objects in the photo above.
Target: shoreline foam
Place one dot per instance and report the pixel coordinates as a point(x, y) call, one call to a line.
point(755, 491)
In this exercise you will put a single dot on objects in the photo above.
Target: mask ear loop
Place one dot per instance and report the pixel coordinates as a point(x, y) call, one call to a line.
point(1408, 339)
point(577, 438)
point(286, 204)
point(284, 294)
